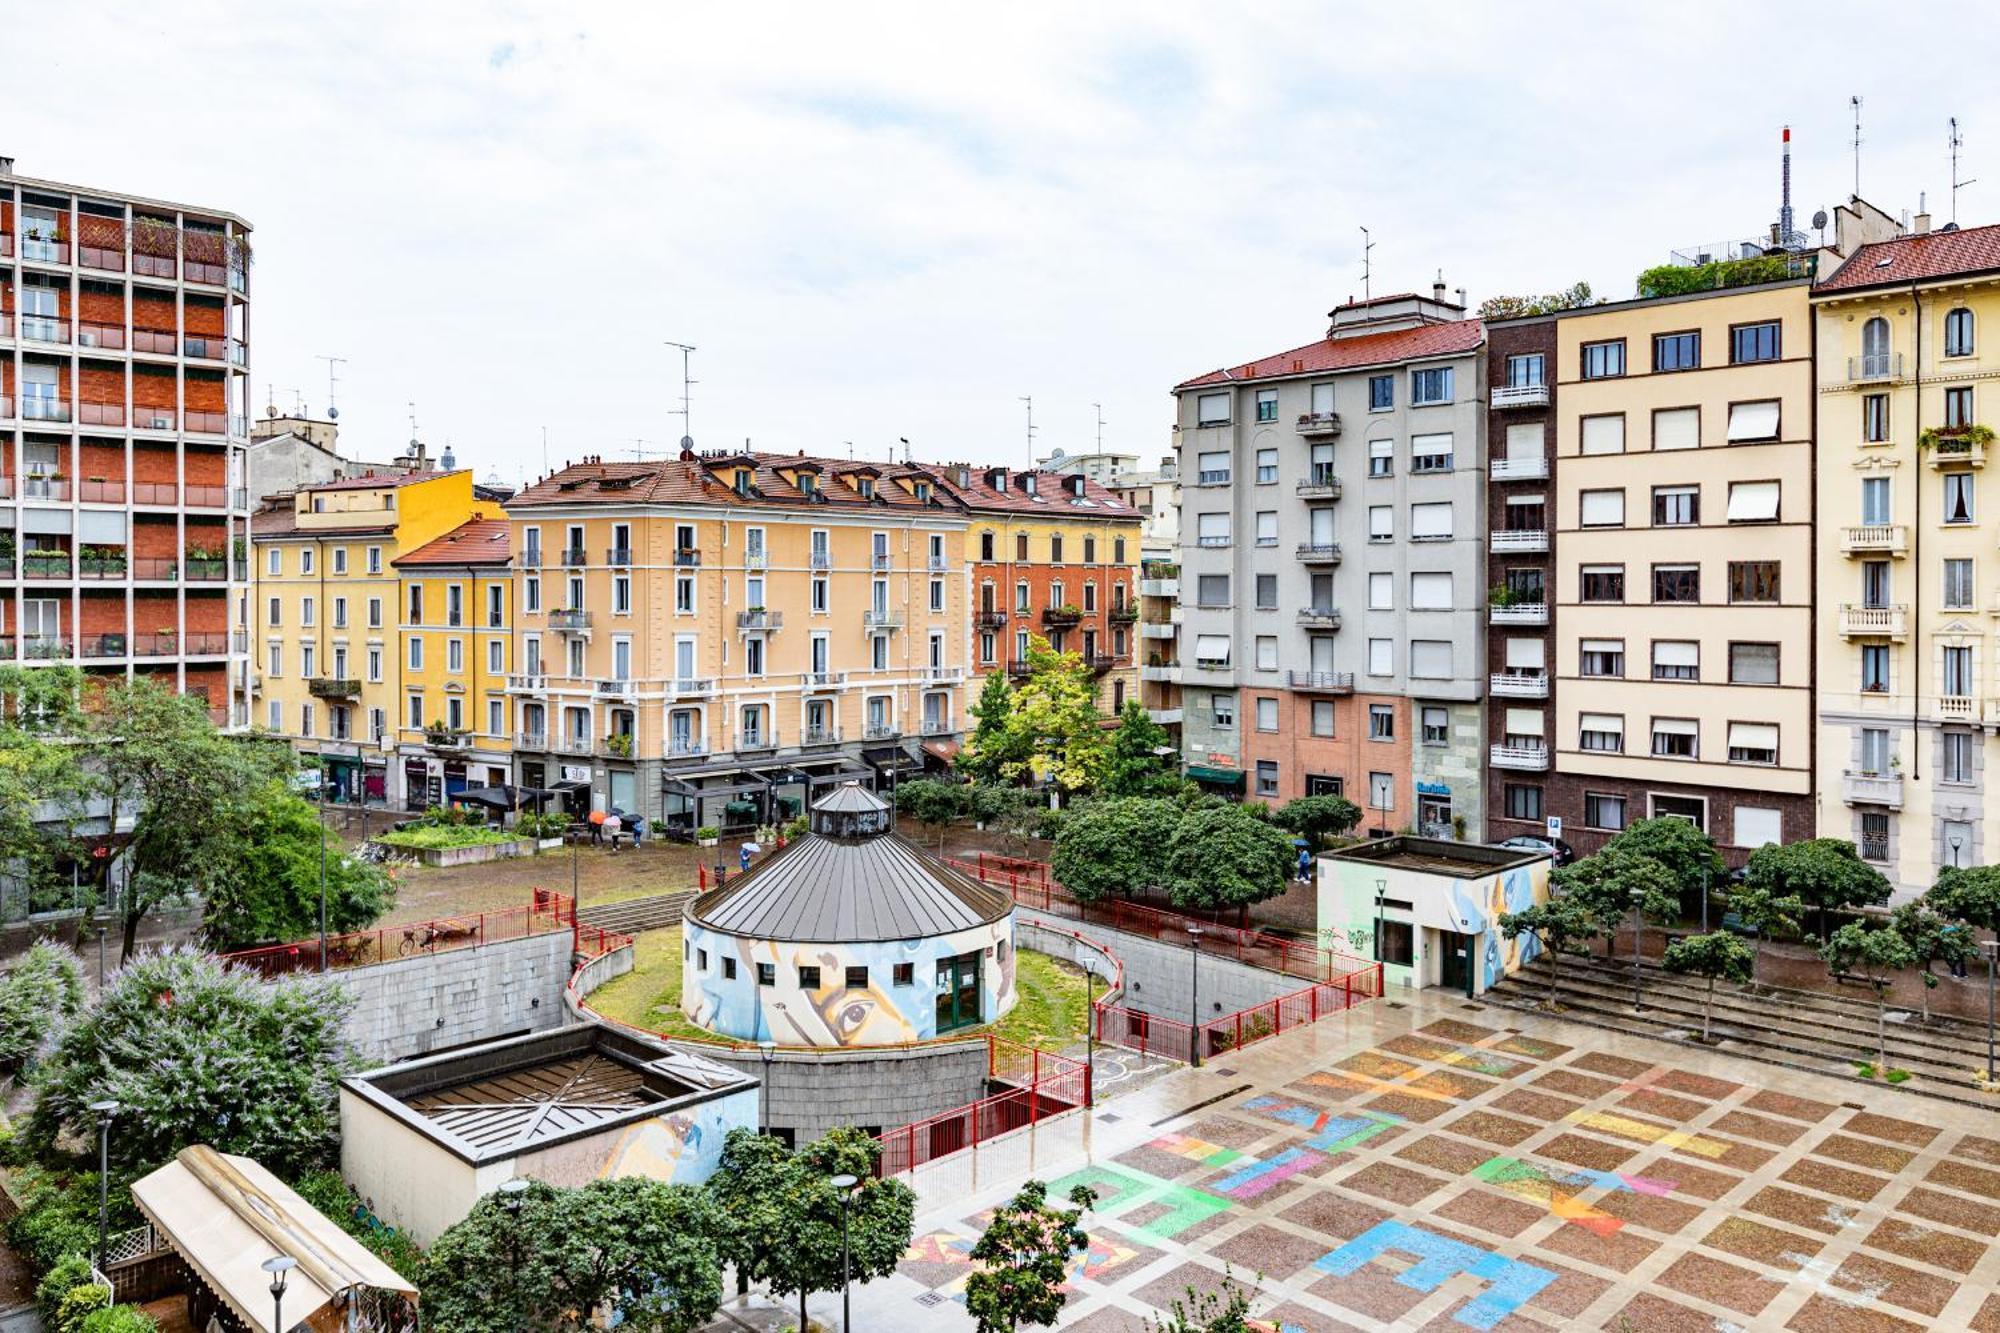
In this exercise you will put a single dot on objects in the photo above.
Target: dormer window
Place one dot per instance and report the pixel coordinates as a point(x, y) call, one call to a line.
point(806, 482)
point(743, 478)
point(1028, 483)
point(865, 486)
point(923, 489)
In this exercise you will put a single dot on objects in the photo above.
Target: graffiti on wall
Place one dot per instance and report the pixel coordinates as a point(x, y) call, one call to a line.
point(683, 1148)
point(1477, 905)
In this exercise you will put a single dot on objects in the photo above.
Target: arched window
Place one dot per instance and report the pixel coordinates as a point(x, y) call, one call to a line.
point(1875, 347)
point(1958, 332)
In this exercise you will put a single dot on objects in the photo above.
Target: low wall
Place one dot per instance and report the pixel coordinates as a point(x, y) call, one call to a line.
point(473, 855)
point(875, 1090)
point(1064, 941)
point(1158, 976)
point(431, 1002)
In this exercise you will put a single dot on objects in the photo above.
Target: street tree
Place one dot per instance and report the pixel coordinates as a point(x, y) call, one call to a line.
point(195, 1052)
point(1876, 954)
point(265, 884)
point(1318, 817)
point(1133, 763)
point(634, 1252)
point(1111, 848)
point(932, 803)
point(993, 746)
point(1562, 924)
point(1604, 884)
point(1764, 912)
point(1715, 956)
point(1024, 1256)
point(1826, 874)
point(1969, 894)
point(1226, 856)
point(1688, 854)
point(38, 994)
point(42, 786)
point(1053, 731)
point(1933, 939)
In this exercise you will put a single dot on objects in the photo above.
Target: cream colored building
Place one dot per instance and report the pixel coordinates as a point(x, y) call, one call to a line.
point(1909, 695)
point(1684, 565)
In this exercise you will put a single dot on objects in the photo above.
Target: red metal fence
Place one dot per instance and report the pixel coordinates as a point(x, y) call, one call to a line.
point(547, 912)
point(1047, 1084)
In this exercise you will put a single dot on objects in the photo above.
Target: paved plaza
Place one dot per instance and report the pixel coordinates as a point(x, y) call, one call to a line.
point(1428, 1164)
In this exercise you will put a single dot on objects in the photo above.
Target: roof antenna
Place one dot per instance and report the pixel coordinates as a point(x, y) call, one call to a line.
point(1100, 426)
point(1029, 399)
point(685, 412)
point(1367, 267)
point(1957, 142)
point(333, 364)
point(545, 451)
point(1785, 238)
point(1855, 101)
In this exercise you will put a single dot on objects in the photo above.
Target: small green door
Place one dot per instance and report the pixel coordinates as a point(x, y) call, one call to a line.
point(957, 992)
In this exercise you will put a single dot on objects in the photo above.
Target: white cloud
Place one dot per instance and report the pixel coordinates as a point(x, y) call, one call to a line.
point(880, 220)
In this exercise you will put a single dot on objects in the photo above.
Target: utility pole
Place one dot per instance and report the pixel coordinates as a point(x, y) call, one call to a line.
point(1100, 426)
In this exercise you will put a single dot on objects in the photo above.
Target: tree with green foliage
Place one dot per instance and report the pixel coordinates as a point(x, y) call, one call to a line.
point(931, 802)
point(1932, 939)
point(42, 787)
point(1318, 817)
point(1604, 884)
point(1111, 848)
point(1688, 854)
point(994, 745)
point(1717, 955)
point(1826, 874)
point(549, 1260)
point(1877, 954)
point(1053, 732)
point(338, 1203)
point(781, 1216)
point(38, 994)
point(1564, 925)
point(266, 889)
point(1132, 764)
point(1573, 297)
point(1024, 1256)
point(1969, 894)
point(195, 1052)
point(1764, 912)
point(1226, 856)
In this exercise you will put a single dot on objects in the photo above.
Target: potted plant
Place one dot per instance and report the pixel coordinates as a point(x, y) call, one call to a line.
point(708, 835)
point(204, 562)
point(619, 743)
point(167, 636)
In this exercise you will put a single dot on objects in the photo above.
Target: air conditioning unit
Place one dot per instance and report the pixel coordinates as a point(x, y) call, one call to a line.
point(160, 423)
point(86, 338)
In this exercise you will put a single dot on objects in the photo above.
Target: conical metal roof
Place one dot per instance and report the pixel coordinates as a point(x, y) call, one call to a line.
point(850, 798)
point(838, 891)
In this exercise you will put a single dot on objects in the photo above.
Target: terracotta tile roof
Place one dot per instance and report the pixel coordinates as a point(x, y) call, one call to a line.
point(709, 479)
point(376, 481)
point(1052, 499)
point(278, 518)
point(1368, 349)
point(1907, 259)
point(482, 541)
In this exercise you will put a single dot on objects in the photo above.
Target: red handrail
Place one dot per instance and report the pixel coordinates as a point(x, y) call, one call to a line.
point(546, 912)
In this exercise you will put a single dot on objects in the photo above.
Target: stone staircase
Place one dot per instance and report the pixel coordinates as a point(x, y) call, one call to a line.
point(637, 915)
point(1795, 1029)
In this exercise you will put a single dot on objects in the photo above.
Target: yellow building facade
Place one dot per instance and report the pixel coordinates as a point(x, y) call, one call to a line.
point(1908, 334)
point(326, 617)
point(712, 639)
point(453, 727)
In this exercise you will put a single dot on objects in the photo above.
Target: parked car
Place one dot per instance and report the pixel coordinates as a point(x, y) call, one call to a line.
point(1562, 853)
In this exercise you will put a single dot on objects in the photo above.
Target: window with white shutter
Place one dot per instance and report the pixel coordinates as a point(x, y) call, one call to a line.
point(1526, 655)
point(1677, 428)
point(1430, 522)
point(1753, 743)
point(1604, 435)
point(1430, 659)
point(1753, 501)
point(1381, 657)
point(1676, 659)
point(1524, 441)
point(1602, 732)
point(1212, 409)
point(1430, 592)
point(1601, 509)
point(1524, 722)
point(1753, 421)
point(1212, 649)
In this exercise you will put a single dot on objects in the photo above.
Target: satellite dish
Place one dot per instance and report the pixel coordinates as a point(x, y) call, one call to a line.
point(1055, 455)
point(1819, 220)
point(687, 441)
point(333, 414)
point(1949, 226)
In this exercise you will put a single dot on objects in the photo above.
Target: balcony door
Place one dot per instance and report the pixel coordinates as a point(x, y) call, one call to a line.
point(621, 659)
point(684, 659)
point(41, 622)
point(1322, 654)
point(1322, 525)
point(1875, 583)
point(681, 731)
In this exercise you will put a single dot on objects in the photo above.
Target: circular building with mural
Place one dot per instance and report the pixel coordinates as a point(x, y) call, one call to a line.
point(851, 937)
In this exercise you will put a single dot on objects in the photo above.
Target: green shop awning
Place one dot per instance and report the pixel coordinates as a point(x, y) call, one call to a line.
point(1224, 777)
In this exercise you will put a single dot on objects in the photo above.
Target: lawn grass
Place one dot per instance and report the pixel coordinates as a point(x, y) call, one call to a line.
point(1049, 1013)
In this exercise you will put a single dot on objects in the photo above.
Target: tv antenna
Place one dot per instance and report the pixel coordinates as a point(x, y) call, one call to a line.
point(298, 403)
point(1855, 102)
point(1367, 266)
point(1029, 399)
point(413, 421)
point(333, 364)
point(1100, 426)
point(686, 411)
point(1957, 142)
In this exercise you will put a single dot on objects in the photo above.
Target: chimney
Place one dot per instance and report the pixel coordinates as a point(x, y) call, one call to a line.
point(1921, 224)
point(1437, 290)
point(1461, 298)
point(6, 166)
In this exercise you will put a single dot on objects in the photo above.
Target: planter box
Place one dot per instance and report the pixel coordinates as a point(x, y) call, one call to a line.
point(473, 855)
point(709, 842)
point(549, 844)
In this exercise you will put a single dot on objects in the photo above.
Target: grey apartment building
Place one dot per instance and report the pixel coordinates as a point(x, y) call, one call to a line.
point(1333, 563)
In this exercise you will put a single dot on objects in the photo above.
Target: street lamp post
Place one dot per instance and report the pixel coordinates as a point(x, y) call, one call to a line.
point(322, 862)
point(1381, 905)
point(1704, 900)
point(1194, 997)
point(1089, 1037)
point(1991, 948)
point(104, 1111)
point(1638, 898)
point(769, 1050)
point(279, 1267)
point(846, 1184)
point(513, 1193)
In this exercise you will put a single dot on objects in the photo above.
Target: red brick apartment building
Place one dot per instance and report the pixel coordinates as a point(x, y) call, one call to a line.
point(124, 373)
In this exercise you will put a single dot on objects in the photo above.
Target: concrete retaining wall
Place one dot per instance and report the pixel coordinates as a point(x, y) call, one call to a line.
point(876, 1090)
point(430, 1002)
point(1159, 976)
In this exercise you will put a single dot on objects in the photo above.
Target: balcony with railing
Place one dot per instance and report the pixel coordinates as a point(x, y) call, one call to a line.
point(943, 675)
point(1518, 613)
point(1319, 617)
point(1123, 615)
point(1319, 553)
point(1061, 617)
point(687, 747)
point(1874, 622)
point(1319, 486)
point(1519, 541)
point(1518, 469)
point(1319, 423)
point(1875, 366)
point(1505, 396)
point(444, 740)
point(618, 555)
point(614, 687)
point(757, 618)
point(527, 682)
point(1166, 717)
point(1103, 662)
point(196, 422)
point(873, 619)
point(44, 647)
point(570, 622)
point(44, 329)
point(881, 731)
point(102, 563)
point(575, 557)
point(822, 680)
point(881, 562)
point(752, 742)
point(1321, 682)
point(44, 407)
point(1524, 758)
point(1875, 539)
point(102, 646)
point(991, 619)
point(155, 342)
point(44, 249)
point(205, 347)
point(44, 486)
point(531, 740)
point(1518, 685)
point(1884, 789)
point(821, 560)
point(333, 687)
point(1955, 446)
point(1955, 708)
point(690, 687)
point(573, 742)
point(45, 563)
point(937, 724)
point(1161, 673)
point(106, 337)
point(1159, 587)
point(816, 736)
point(687, 557)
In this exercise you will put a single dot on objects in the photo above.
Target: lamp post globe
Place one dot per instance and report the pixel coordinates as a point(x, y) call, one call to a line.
point(105, 1111)
point(1638, 899)
point(846, 1184)
point(279, 1266)
point(1194, 997)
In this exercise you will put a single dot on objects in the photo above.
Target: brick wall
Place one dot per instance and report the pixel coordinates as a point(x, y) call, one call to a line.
point(97, 305)
point(152, 311)
point(206, 467)
point(207, 612)
point(1566, 792)
point(153, 461)
point(153, 610)
point(101, 613)
point(101, 458)
point(205, 392)
point(100, 383)
point(152, 388)
point(203, 317)
point(155, 536)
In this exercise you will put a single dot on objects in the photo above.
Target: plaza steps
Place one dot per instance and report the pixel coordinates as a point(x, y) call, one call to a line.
point(1806, 1030)
point(637, 915)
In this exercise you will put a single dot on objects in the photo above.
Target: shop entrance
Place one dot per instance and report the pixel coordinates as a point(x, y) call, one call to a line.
point(957, 992)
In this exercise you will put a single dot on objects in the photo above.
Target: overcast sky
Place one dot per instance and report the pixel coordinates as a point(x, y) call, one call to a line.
point(877, 222)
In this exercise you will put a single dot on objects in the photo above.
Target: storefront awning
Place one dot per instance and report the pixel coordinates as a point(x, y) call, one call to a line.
point(893, 757)
point(1221, 777)
point(684, 788)
point(943, 751)
point(503, 797)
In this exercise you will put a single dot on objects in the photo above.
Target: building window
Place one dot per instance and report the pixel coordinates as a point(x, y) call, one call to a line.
point(1753, 664)
point(1958, 497)
point(1602, 583)
point(1381, 458)
point(1676, 351)
point(1267, 527)
point(1381, 523)
point(1267, 652)
point(1751, 422)
point(808, 976)
point(1430, 453)
point(1212, 409)
point(1526, 372)
point(1211, 469)
point(1602, 434)
point(1267, 466)
point(1267, 714)
point(1676, 659)
point(1601, 657)
point(1875, 668)
point(1211, 590)
point(1431, 521)
point(1755, 342)
point(1958, 332)
point(1267, 777)
point(1874, 835)
point(1381, 592)
point(767, 974)
point(1436, 726)
point(1753, 581)
point(1956, 681)
point(1753, 502)
point(903, 974)
point(1603, 733)
point(1602, 811)
point(1322, 717)
point(1523, 801)
point(1222, 709)
point(1429, 387)
point(1267, 592)
point(1381, 393)
point(1958, 406)
point(1677, 583)
point(1430, 659)
point(1753, 743)
point(1956, 838)
point(1381, 657)
point(1958, 585)
point(1676, 738)
point(1397, 946)
point(1604, 360)
point(857, 978)
point(1875, 418)
point(1955, 756)
point(1601, 509)
point(1676, 506)
point(1267, 404)
point(1381, 722)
